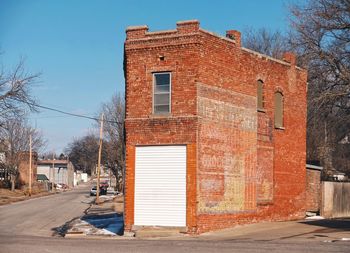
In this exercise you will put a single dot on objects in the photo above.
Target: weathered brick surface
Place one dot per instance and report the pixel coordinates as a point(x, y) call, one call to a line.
point(227, 150)
point(265, 157)
point(129, 187)
point(240, 169)
point(313, 189)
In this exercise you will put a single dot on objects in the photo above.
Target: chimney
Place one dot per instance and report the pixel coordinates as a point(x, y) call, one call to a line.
point(290, 58)
point(234, 35)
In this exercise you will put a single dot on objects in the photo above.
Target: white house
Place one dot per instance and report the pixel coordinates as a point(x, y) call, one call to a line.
point(63, 172)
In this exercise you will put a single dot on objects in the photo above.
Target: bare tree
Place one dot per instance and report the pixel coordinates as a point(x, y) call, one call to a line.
point(266, 42)
point(114, 146)
point(321, 36)
point(48, 155)
point(15, 133)
point(16, 101)
point(15, 92)
point(82, 152)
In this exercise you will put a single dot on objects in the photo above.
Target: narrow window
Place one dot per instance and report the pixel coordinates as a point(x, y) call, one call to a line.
point(278, 110)
point(260, 95)
point(161, 92)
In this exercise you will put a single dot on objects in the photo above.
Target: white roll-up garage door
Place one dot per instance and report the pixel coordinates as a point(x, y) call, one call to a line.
point(160, 186)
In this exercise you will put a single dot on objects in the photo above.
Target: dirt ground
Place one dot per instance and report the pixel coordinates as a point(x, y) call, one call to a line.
point(119, 204)
point(7, 196)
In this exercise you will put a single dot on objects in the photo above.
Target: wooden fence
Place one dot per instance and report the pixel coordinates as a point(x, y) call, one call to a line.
point(335, 199)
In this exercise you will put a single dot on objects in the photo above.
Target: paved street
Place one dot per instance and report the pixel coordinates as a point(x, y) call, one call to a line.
point(30, 226)
point(41, 216)
point(24, 244)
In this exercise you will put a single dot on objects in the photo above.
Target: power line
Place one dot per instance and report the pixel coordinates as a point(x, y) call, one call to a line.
point(70, 114)
point(63, 112)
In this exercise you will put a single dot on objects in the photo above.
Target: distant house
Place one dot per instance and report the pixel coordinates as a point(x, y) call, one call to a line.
point(79, 177)
point(23, 166)
point(63, 172)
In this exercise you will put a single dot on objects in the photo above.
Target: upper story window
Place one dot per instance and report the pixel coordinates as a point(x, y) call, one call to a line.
point(279, 110)
point(260, 95)
point(161, 92)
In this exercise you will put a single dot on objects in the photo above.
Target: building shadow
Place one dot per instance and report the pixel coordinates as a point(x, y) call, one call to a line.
point(111, 222)
point(341, 224)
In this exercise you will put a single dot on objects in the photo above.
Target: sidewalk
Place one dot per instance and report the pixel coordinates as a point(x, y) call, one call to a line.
point(304, 230)
point(300, 231)
point(106, 221)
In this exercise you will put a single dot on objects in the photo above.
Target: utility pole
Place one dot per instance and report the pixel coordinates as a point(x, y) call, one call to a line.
point(99, 163)
point(110, 177)
point(30, 165)
point(53, 172)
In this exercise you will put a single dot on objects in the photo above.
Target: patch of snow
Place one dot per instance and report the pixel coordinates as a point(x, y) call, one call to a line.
point(107, 197)
point(308, 214)
point(316, 217)
point(104, 232)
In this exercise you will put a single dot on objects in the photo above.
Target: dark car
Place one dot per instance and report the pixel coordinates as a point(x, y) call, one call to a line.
point(103, 186)
point(93, 191)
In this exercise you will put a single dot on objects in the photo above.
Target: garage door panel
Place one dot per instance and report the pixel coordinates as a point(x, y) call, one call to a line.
point(160, 186)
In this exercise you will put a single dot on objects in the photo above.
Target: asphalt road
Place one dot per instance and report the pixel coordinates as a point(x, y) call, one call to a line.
point(27, 244)
point(30, 226)
point(42, 216)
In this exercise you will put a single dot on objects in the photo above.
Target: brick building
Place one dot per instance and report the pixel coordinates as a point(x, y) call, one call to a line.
point(215, 133)
point(23, 167)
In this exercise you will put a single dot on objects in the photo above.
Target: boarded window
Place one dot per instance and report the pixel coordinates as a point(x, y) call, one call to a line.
point(260, 95)
point(278, 110)
point(161, 93)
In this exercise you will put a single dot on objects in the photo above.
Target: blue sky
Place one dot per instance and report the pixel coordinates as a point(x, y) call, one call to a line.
point(77, 45)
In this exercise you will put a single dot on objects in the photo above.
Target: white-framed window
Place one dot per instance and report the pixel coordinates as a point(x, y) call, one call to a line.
point(161, 92)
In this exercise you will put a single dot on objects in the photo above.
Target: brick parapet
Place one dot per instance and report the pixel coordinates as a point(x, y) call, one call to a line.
point(187, 32)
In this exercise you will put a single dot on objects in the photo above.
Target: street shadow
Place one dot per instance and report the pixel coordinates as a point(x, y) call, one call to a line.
point(112, 222)
point(62, 230)
point(339, 224)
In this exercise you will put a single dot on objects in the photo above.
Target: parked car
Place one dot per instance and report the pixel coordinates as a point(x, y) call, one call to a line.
point(104, 184)
point(93, 191)
point(58, 186)
point(61, 187)
point(103, 190)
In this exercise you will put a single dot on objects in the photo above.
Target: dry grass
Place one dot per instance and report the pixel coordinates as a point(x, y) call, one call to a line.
point(7, 196)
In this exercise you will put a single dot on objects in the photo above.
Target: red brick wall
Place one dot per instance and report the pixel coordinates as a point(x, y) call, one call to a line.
point(129, 187)
point(243, 170)
point(265, 157)
point(278, 183)
point(156, 53)
point(23, 167)
point(313, 190)
point(227, 151)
